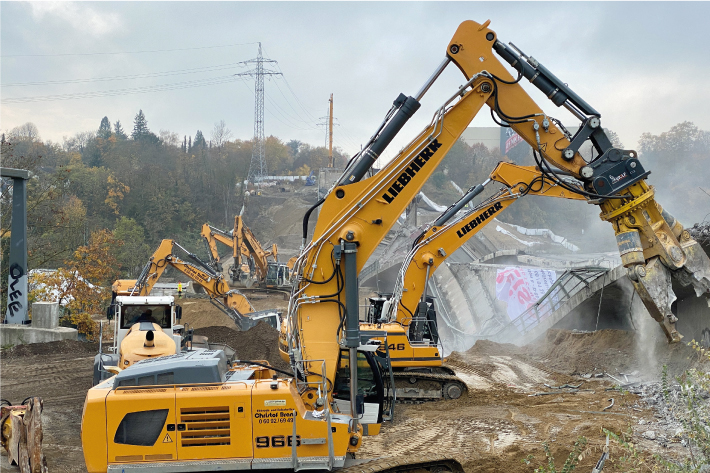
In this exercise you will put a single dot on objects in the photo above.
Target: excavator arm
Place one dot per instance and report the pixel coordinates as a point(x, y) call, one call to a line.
point(230, 301)
point(212, 236)
point(653, 245)
point(452, 229)
point(355, 216)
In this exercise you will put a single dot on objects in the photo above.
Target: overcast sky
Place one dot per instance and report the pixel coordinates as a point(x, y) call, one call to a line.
point(642, 65)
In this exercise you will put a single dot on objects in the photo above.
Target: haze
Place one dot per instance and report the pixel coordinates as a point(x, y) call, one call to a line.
point(639, 64)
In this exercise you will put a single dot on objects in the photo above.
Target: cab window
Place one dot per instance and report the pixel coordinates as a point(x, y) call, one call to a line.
point(157, 314)
point(368, 383)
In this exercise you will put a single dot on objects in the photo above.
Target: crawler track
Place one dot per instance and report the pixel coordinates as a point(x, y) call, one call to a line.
point(404, 464)
point(417, 386)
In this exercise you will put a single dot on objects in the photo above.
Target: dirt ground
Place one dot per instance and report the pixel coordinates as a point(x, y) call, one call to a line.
point(496, 425)
point(200, 313)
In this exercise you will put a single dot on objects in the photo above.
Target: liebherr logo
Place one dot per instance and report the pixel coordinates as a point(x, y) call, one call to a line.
point(411, 171)
point(488, 213)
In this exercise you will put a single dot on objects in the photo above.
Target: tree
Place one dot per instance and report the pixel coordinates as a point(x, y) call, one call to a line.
point(79, 141)
point(104, 129)
point(220, 134)
point(135, 252)
point(184, 144)
point(85, 281)
point(26, 132)
point(189, 145)
point(294, 146)
point(199, 141)
point(140, 126)
point(118, 131)
point(169, 138)
point(684, 150)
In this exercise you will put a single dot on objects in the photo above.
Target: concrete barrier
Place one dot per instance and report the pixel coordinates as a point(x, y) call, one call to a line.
point(45, 315)
point(44, 328)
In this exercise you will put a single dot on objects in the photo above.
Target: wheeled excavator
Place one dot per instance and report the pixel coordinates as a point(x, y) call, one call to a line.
point(193, 413)
point(408, 315)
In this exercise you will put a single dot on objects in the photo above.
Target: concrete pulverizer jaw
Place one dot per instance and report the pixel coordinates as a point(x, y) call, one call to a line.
point(696, 270)
point(653, 284)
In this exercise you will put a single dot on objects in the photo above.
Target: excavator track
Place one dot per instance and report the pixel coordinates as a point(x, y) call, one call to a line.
point(416, 386)
point(429, 463)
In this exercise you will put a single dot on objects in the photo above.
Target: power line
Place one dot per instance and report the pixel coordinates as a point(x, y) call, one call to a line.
point(129, 52)
point(124, 91)
point(218, 67)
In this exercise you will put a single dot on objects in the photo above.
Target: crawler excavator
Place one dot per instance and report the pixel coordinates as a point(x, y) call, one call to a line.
point(191, 413)
point(241, 270)
point(408, 316)
point(269, 274)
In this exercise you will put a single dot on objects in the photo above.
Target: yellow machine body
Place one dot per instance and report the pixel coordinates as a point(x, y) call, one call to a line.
point(134, 346)
point(249, 424)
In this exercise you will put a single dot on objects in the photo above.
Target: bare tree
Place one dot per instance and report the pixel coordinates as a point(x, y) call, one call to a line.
point(26, 132)
point(169, 138)
point(220, 134)
point(79, 141)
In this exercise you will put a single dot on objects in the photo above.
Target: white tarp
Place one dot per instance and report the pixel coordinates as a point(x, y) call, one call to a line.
point(506, 232)
point(546, 233)
point(431, 204)
point(520, 288)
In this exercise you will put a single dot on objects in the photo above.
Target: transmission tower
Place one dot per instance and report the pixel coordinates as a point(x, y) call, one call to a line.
point(257, 167)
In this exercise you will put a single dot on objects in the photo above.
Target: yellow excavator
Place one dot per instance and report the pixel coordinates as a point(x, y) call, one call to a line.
point(228, 300)
point(255, 266)
point(192, 412)
point(408, 316)
point(148, 326)
point(240, 271)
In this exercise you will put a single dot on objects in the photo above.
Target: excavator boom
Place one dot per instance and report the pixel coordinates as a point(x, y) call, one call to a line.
point(230, 301)
point(653, 245)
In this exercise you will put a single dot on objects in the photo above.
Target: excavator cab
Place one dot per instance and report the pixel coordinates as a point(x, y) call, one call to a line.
point(277, 275)
point(378, 307)
point(370, 388)
point(424, 325)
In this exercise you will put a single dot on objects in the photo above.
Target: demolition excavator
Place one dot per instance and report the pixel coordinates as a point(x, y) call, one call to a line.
point(256, 267)
point(408, 315)
point(193, 413)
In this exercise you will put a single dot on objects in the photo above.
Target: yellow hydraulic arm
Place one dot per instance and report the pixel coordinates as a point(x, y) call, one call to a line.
point(652, 243)
point(355, 216)
point(231, 301)
point(254, 248)
point(449, 232)
point(212, 236)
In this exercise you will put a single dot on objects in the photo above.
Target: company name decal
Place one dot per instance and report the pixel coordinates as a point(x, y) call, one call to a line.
point(616, 179)
point(411, 171)
point(488, 213)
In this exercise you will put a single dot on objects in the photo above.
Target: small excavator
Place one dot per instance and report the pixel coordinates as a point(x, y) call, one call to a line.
point(192, 412)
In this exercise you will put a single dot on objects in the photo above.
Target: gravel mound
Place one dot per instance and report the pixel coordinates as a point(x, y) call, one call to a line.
point(258, 343)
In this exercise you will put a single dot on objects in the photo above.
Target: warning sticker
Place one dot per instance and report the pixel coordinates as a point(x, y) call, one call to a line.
point(167, 439)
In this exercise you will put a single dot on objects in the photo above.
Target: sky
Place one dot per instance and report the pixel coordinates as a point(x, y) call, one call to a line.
point(640, 64)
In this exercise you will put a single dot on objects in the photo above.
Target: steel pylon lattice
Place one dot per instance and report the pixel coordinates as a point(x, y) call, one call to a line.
point(257, 167)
